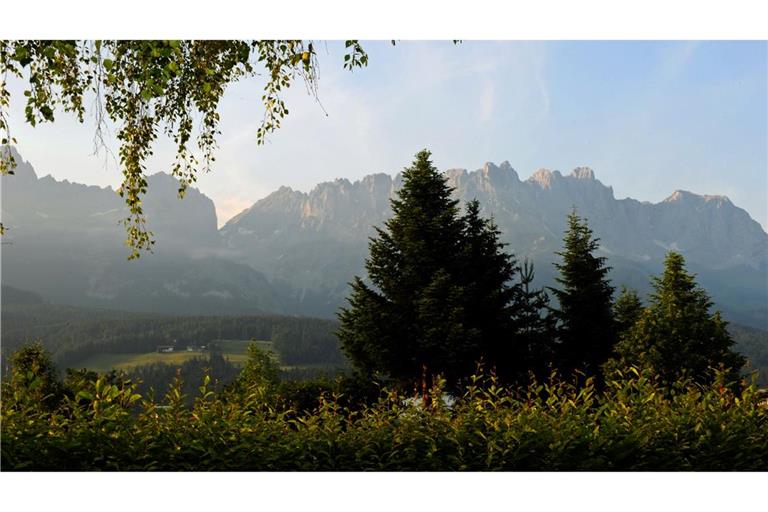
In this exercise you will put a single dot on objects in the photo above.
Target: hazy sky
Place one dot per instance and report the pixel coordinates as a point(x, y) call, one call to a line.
point(648, 117)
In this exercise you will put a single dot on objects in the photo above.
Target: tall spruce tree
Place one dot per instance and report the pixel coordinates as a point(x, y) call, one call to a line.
point(587, 332)
point(440, 287)
point(676, 334)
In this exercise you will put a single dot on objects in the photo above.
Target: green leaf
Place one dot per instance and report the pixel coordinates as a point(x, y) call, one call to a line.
point(85, 394)
point(46, 112)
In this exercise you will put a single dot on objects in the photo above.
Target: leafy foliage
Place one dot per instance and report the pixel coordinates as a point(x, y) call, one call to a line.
point(260, 369)
point(149, 87)
point(634, 422)
point(34, 376)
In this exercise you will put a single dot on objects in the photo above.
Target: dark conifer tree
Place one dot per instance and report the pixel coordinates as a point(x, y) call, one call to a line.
point(676, 334)
point(587, 332)
point(440, 287)
point(535, 326)
point(626, 310)
point(492, 301)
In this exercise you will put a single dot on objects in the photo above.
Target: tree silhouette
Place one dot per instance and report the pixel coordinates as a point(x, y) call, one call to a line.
point(587, 332)
point(440, 296)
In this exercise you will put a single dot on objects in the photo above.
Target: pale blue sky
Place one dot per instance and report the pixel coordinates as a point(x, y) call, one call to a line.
point(648, 117)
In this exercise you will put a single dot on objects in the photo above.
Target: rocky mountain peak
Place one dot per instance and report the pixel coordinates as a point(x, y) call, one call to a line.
point(488, 168)
point(531, 214)
point(583, 173)
point(544, 178)
point(494, 173)
point(455, 174)
point(680, 196)
point(377, 181)
point(284, 190)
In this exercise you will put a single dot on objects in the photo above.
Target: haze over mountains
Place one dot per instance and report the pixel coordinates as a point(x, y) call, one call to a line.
point(65, 242)
point(293, 252)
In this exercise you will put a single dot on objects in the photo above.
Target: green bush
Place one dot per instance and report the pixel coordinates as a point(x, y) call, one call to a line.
point(633, 423)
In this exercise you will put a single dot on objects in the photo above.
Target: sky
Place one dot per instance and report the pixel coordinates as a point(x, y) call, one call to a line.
point(648, 117)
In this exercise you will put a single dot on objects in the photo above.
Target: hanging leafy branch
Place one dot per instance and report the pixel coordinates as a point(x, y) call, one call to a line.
point(146, 87)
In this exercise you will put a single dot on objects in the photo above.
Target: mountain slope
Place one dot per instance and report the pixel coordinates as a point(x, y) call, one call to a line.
point(313, 243)
point(65, 243)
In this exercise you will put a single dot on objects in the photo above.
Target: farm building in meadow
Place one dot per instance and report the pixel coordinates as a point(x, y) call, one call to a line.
point(165, 349)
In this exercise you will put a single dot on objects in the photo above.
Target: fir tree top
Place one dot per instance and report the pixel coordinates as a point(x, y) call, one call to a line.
point(580, 266)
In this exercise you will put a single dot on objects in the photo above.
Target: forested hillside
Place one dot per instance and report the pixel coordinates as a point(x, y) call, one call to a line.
point(74, 334)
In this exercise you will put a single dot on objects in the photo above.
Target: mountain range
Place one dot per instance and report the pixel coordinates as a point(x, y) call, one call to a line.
point(294, 252)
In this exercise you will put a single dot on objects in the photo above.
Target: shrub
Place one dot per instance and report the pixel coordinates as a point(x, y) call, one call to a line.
point(633, 423)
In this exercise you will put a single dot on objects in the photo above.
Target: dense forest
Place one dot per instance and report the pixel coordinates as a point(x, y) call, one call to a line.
point(73, 334)
point(307, 348)
point(457, 363)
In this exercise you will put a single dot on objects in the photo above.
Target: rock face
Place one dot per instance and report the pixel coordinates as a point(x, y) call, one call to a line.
point(65, 243)
point(311, 245)
point(709, 230)
point(314, 243)
point(72, 211)
point(295, 252)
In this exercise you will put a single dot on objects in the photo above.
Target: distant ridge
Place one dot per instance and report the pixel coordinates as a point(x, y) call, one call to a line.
point(294, 252)
point(315, 241)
